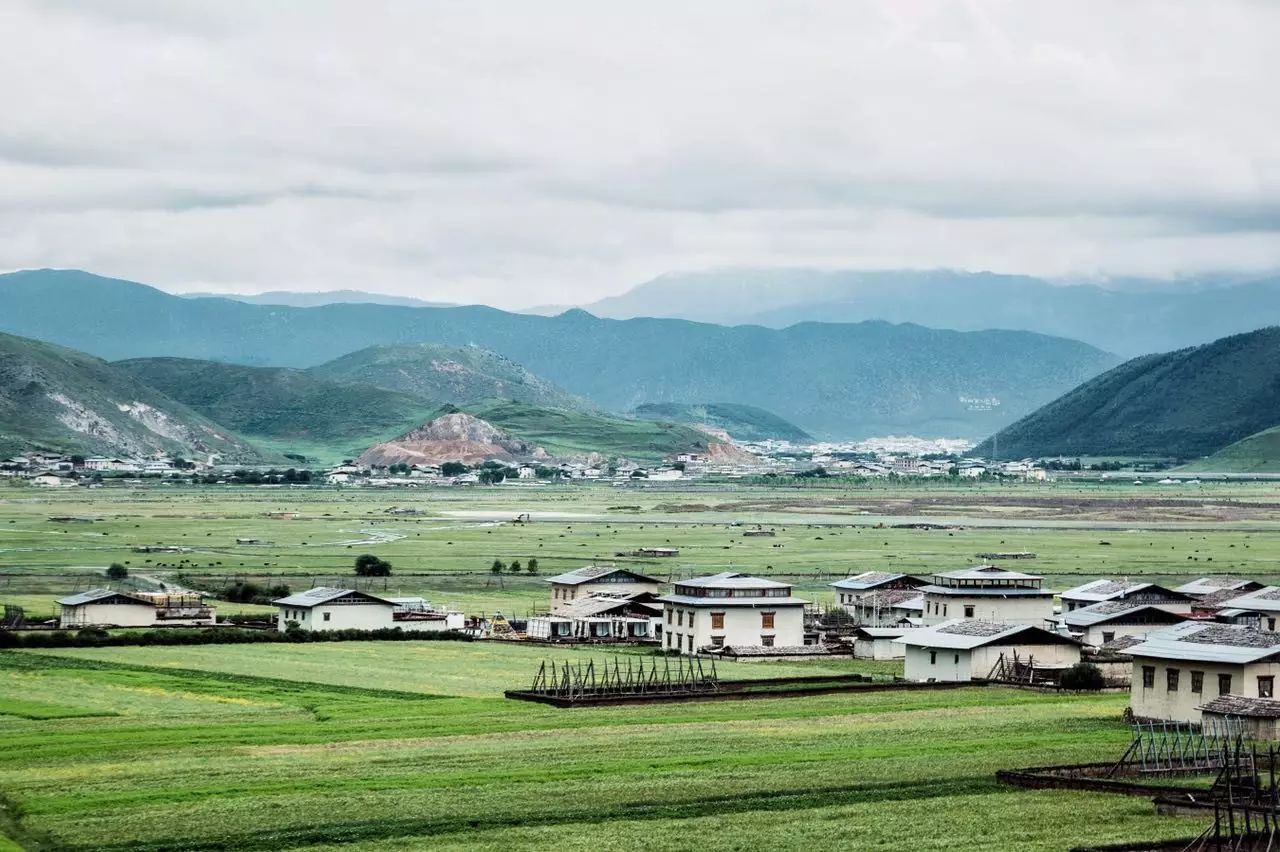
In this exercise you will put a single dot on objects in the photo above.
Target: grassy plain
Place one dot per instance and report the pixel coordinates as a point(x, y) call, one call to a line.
point(374, 746)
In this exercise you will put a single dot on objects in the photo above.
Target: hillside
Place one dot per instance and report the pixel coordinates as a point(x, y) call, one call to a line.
point(742, 422)
point(1185, 404)
point(1129, 317)
point(288, 410)
point(1258, 453)
point(575, 433)
point(832, 380)
point(59, 399)
point(313, 300)
point(453, 436)
point(456, 374)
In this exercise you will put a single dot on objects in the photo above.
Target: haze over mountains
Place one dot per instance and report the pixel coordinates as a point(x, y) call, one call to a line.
point(830, 379)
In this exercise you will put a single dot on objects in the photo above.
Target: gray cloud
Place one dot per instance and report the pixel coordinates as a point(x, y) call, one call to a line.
point(518, 154)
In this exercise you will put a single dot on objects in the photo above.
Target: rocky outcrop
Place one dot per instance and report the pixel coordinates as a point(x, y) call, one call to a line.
point(457, 436)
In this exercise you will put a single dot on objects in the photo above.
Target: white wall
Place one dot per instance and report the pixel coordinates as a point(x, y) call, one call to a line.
point(742, 625)
point(924, 664)
point(1015, 610)
point(878, 649)
point(562, 595)
point(121, 615)
point(960, 665)
point(1159, 702)
point(366, 616)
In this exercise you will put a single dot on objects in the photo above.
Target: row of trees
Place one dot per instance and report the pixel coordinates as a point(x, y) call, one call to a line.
point(530, 567)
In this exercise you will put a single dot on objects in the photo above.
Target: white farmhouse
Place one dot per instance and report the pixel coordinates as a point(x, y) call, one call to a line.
point(1181, 668)
point(107, 608)
point(1107, 621)
point(603, 617)
point(877, 643)
point(334, 609)
point(731, 609)
point(592, 579)
point(1098, 591)
point(870, 596)
point(987, 593)
point(961, 650)
point(1263, 604)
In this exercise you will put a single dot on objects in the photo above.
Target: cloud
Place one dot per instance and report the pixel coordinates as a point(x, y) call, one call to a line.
point(518, 155)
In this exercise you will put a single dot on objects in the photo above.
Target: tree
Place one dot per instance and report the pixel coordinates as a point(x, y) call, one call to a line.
point(1083, 676)
point(515, 567)
point(498, 566)
point(453, 468)
point(368, 565)
point(532, 566)
point(116, 571)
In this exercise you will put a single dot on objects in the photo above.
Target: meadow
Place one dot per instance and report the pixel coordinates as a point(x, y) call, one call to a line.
point(369, 746)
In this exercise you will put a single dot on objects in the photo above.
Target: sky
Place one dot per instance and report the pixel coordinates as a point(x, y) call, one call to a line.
point(520, 154)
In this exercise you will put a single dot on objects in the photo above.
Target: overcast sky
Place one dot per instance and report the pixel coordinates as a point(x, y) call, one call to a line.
point(521, 153)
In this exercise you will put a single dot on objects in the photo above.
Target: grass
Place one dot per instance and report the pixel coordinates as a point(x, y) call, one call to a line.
point(328, 749)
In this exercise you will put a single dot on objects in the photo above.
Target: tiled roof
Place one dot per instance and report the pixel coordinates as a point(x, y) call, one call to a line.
point(323, 594)
point(867, 580)
point(1103, 589)
point(988, 572)
point(1239, 705)
point(96, 595)
point(1209, 642)
point(732, 580)
point(959, 634)
point(974, 628)
point(593, 572)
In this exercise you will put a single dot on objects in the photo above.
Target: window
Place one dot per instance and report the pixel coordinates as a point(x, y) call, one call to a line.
point(680, 617)
point(691, 643)
point(944, 610)
point(766, 641)
point(717, 641)
point(957, 660)
point(968, 612)
point(717, 621)
point(668, 616)
point(1271, 624)
point(1266, 686)
point(1224, 684)
point(1149, 677)
point(691, 615)
point(1110, 636)
point(326, 615)
point(1171, 679)
point(933, 658)
point(1197, 682)
point(766, 620)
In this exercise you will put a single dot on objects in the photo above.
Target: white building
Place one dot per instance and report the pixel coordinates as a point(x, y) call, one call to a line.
point(592, 579)
point(107, 608)
point(877, 643)
point(603, 617)
point(1181, 668)
point(987, 593)
point(734, 610)
point(1098, 591)
point(1263, 604)
point(1107, 621)
point(960, 650)
point(334, 609)
point(871, 597)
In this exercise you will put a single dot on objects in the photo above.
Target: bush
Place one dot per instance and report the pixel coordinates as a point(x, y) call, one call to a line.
point(368, 565)
point(1083, 676)
point(116, 571)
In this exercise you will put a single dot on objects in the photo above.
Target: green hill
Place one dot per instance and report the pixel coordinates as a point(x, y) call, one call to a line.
point(742, 422)
point(1259, 453)
point(1183, 404)
point(290, 411)
point(63, 400)
point(457, 374)
point(567, 433)
point(831, 379)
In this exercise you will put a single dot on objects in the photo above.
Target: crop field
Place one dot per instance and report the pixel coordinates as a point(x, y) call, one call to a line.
point(445, 549)
point(382, 746)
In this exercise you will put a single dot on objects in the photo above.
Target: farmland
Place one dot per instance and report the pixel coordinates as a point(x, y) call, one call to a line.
point(369, 746)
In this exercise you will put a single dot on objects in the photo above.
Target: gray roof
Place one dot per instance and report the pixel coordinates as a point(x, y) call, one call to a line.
point(867, 580)
point(692, 600)
point(979, 591)
point(1105, 590)
point(1210, 642)
point(1206, 585)
point(593, 605)
point(1266, 599)
point(882, 632)
point(732, 580)
point(92, 595)
point(987, 572)
point(1239, 705)
point(594, 572)
point(1117, 610)
point(962, 635)
point(322, 595)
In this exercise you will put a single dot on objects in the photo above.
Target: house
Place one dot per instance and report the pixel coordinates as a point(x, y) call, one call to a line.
point(603, 617)
point(987, 593)
point(961, 650)
point(1258, 716)
point(1098, 591)
point(734, 609)
point(107, 608)
point(591, 579)
point(414, 613)
point(1204, 586)
point(49, 480)
point(1107, 621)
point(877, 643)
point(527, 471)
point(1260, 607)
point(869, 596)
point(1178, 669)
point(334, 609)
point(658, 552)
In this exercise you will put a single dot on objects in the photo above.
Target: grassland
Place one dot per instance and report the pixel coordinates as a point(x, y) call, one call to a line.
point(382, 746)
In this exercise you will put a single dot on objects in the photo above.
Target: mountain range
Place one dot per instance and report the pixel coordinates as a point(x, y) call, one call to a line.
point(301, 299)
point(741, 422)
point(1129, 317)
point(1186, 404)
point(830, 379)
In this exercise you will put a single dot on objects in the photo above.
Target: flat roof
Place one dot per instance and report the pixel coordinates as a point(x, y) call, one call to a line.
point(731, 580)
point(691, 600)
point(867, 580)
point(964, 635)
point(1116, 610)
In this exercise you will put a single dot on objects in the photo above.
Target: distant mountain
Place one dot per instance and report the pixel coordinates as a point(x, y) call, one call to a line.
point(742, 422)
point(287, 410)
point(1258, 453)
point(457, 374)
point(1183, 404)
point(575, 433)
point(315, 300)
point(833, 380)
point(453, 436)
point(59, 399)
point(1131, 317)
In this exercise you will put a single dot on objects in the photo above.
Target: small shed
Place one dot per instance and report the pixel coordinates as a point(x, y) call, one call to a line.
point(876, 643)
point(1258, 715)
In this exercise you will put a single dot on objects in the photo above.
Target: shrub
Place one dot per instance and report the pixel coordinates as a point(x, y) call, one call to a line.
point(116, 571)
point(368, 565)
point(1083, 676)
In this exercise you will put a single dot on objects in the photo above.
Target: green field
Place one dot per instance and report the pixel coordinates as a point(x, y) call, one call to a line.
point(368, 746)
